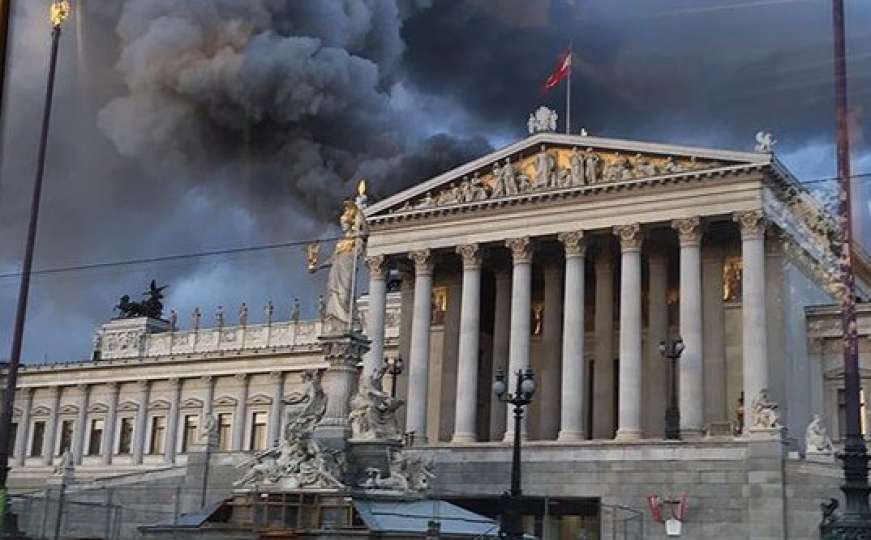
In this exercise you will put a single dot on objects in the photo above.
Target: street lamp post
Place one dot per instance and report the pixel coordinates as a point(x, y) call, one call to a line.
point(60, 10)
point(671, 351)
point(855, 520)
point(394, 368)
point(511, 526)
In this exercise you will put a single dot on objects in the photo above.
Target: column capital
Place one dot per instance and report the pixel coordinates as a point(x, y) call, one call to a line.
point(143, 384)
point(377, 266)
point(54, 391)
point(423, 264)
point(174, 382)
point(207, 378)
point(83, 387)
point(574, 243)
point(276, 375)
point(630, 236)
point(113, 386)
point(241, 377)
point(752, 224)
point(26, 391)
point(521, 249)
point(689, 230)
point(471, 254)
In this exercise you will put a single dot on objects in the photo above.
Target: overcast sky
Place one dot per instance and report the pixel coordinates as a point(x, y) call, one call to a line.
point(184, 126)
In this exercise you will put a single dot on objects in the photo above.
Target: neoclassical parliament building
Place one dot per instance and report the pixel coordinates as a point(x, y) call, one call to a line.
point(574, 256)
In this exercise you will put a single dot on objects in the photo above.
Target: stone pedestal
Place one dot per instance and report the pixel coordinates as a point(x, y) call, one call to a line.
point(343, 354)
point(195, 489)
point(124, 338)
point(365, 455)
point(767, 434)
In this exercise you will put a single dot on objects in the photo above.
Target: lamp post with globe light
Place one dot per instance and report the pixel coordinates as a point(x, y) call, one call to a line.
point(511, 525)
point(671, 350)
point(394, 368)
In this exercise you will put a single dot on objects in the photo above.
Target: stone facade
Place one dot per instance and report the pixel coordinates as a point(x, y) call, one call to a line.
point(577, 276)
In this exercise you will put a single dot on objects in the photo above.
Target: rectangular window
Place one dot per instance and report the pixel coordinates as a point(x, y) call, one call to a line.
point(189, 437)
point(225, 426)
point(38, 438)
point(13, 433)
point(95, 440)
point(842, 413)
point(258, 431)
point(66, 436)
point(158, 432)
point(125, 437)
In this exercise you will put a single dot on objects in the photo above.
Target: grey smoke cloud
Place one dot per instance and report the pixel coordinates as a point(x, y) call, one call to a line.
point(187, 125)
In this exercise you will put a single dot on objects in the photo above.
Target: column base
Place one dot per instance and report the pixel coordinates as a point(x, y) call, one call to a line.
point(464, 438)
point(571, 436)
point(692, 434)
point(628, 435)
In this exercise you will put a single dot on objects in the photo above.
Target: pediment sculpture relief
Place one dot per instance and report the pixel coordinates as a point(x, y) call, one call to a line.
point(553, 168)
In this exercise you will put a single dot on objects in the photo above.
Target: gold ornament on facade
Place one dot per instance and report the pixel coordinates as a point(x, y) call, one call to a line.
point(553, 168)
point(732, 269)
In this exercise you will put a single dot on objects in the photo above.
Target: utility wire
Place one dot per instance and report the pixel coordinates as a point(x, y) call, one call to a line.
point(181, 256)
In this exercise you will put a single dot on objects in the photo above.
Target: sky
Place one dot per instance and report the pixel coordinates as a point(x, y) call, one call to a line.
point(184, 126)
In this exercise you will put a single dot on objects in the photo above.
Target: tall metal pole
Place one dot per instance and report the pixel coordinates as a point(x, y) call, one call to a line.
point(59, 12)
point(855, 521)
point(569, 90)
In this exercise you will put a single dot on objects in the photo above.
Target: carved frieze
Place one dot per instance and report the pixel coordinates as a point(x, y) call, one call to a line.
point(554, 168)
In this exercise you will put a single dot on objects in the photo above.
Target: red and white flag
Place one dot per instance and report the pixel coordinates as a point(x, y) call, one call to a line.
point(563, 70)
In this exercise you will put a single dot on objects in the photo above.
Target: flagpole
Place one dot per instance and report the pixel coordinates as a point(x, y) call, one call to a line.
point(569, 93)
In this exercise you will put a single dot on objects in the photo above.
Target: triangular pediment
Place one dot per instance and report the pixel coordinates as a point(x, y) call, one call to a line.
point(192, 403)
point(128, 406)
point(550, 161)
point(224, 401)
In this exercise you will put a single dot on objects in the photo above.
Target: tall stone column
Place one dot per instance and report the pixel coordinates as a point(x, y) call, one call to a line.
point(691, 375)
point(549, 374)
point(714, 349)
point(23, 426)
point(275, 420)
point(754, 324)
point(375, 317)
point(655, 368)
point(465, 422)
point(629, 401)
point(501, 332)
point(574, 386)
point(172, 420)
point(51, 428)
point(108, 442)
point(81, 420)
point(418, 361)
point(141, 422)
point(241, 412)
point(521, 303)
point(603, 369)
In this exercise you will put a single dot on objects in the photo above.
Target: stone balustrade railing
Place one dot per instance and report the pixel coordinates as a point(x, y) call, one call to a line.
point(143, 337)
